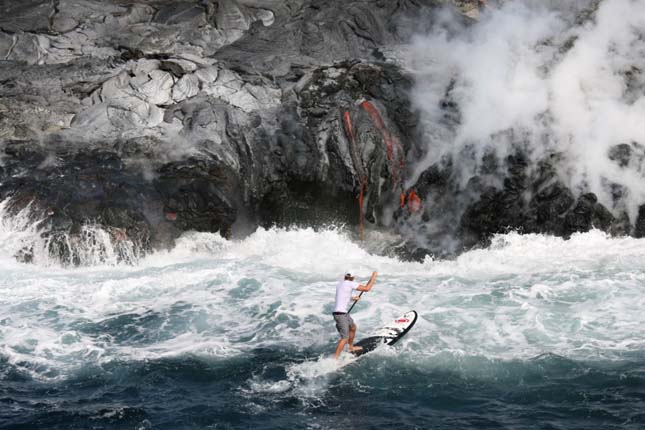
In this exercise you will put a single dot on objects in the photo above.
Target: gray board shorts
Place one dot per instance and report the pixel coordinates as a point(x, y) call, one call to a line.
point(343, 322)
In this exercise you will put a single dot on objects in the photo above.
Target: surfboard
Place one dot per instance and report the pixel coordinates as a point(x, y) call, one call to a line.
point(389, 334)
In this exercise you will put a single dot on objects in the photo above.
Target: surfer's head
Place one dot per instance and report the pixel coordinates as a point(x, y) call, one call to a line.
point(349, 277)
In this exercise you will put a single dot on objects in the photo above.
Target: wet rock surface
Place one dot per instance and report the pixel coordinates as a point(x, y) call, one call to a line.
point(153, 118)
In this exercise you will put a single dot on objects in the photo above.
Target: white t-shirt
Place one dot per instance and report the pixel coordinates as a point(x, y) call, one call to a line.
point(344, 294)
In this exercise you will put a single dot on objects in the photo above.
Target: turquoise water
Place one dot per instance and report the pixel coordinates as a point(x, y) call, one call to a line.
point(533, 332)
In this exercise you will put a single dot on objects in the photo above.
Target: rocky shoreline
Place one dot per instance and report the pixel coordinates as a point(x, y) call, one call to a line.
point(150, 119)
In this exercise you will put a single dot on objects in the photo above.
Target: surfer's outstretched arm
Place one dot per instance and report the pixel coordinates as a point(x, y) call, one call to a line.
point(369, 285)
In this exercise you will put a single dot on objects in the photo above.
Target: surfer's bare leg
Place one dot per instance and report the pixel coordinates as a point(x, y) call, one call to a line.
point(352, 334)
point(339, 348)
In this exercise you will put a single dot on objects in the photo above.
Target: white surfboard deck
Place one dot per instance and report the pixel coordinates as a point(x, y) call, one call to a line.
point(389, 334)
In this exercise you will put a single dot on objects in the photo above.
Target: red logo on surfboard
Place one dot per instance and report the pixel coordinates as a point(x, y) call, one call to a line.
point(402, 320)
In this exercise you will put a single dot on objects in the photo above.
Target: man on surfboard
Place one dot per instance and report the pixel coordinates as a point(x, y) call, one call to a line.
point(344, 323)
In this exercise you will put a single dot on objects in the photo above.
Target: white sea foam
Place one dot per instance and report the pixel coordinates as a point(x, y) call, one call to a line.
point(525, 295)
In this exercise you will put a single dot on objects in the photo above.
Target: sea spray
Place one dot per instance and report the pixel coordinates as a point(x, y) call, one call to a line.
point(245, 326)
point(25, 235)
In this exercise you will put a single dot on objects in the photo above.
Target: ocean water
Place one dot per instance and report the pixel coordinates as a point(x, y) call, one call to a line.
point(532, 332)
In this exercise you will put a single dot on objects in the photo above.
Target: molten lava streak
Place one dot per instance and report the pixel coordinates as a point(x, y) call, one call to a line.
point(394, 155)
point(393, 145)
point(349, 130)
point(414, 202)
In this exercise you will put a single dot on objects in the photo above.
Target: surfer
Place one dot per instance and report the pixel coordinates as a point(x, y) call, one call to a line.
point(344, 323)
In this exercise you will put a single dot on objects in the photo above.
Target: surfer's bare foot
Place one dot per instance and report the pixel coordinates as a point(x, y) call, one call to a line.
point(355, 348)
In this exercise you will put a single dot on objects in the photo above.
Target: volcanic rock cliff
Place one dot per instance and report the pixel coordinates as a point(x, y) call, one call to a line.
point(151, 118)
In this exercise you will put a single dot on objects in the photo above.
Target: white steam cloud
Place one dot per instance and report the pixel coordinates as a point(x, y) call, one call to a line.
point(548, 76)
